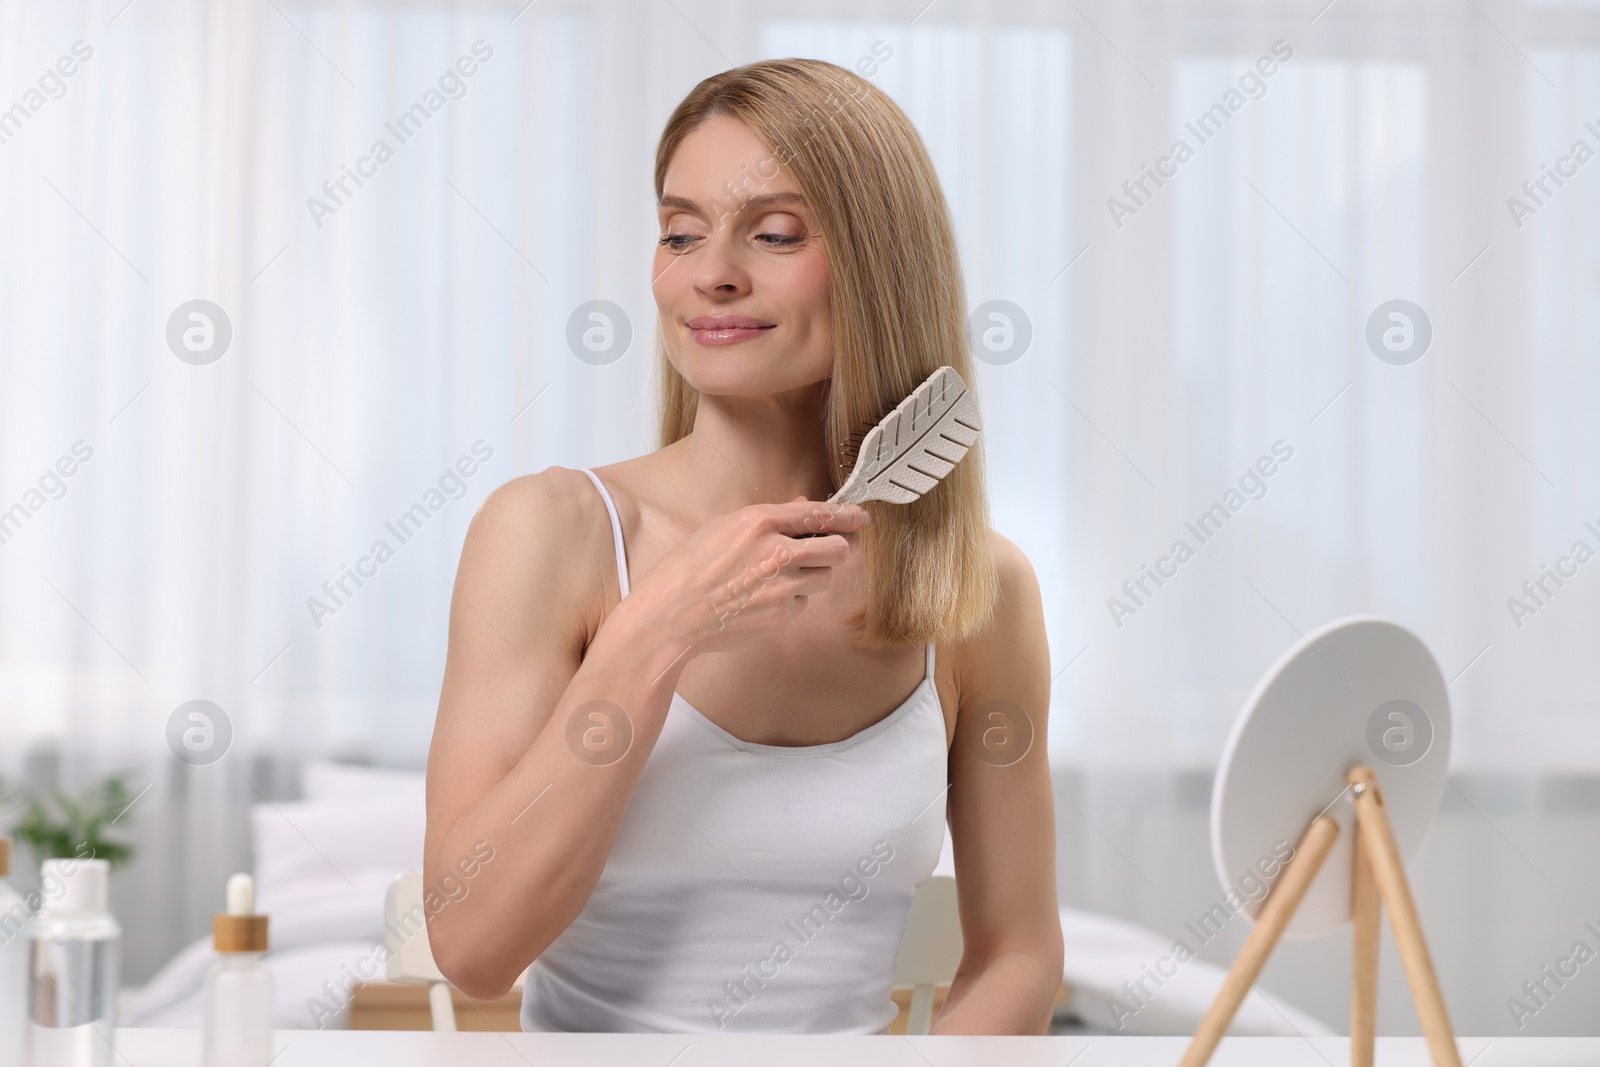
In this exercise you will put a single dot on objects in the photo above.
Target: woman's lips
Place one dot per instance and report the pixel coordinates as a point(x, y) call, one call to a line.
point(725, 329)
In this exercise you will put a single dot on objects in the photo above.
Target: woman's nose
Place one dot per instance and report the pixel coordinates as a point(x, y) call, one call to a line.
point(718, 268)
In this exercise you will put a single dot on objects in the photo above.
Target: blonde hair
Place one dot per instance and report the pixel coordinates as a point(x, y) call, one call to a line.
point(898, 315)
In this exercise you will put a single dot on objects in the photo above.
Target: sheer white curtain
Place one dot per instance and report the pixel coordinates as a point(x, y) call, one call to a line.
point(382, 334)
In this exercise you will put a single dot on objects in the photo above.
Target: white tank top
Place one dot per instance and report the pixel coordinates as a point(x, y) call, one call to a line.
point(754, 887)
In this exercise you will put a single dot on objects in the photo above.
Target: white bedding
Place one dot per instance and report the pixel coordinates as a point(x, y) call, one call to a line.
point(324, 863)
point(1102, 953)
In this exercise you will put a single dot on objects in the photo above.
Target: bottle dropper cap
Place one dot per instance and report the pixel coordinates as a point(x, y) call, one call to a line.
point(239, 929)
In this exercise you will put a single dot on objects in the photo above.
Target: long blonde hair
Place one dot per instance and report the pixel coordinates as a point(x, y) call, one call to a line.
point(898, 315)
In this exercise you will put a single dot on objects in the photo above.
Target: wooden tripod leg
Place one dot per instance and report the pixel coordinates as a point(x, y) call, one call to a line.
point(1276, 911)
point(1376, 838)
point(1364, 905)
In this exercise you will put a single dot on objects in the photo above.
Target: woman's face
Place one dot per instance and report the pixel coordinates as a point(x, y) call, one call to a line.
point(740, 274)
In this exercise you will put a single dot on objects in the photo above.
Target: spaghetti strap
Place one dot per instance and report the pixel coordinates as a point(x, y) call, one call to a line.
point(616, 537)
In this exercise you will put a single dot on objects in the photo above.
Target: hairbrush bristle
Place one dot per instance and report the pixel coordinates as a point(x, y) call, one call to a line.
point(850, 447)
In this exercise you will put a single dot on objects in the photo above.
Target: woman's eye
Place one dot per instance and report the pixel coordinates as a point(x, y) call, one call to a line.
point(677, 242)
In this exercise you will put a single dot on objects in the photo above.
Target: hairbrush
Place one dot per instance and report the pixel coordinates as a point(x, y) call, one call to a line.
point(914, 446)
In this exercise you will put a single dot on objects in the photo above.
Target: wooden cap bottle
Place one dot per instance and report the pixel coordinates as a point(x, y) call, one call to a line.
point(239, 929)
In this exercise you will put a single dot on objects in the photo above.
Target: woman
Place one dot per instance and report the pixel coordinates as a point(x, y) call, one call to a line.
point(677, 722)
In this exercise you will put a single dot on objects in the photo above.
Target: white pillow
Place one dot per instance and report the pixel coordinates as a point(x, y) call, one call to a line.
point(322, 780)
point(307, 847)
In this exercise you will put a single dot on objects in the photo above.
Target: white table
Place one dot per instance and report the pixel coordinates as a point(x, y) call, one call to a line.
point(400, 1048)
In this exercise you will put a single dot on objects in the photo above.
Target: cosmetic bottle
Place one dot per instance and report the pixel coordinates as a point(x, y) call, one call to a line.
point(15, 914)
point(238, 999)
point(73, 965)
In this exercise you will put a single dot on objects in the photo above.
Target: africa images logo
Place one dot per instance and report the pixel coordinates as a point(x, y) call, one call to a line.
point(452, 86)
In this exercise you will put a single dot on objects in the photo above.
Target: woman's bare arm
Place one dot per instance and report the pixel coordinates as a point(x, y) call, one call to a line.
point(507, 779)
point(499, 784)
point(1002, 821)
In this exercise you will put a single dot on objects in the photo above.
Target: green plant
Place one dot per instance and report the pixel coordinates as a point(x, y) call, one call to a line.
point(59, 826)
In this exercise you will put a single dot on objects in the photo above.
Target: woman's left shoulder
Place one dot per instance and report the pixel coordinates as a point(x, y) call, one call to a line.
point(1013, 565)
point(1014, 634)
point(1016, 603)
point(1019, 605)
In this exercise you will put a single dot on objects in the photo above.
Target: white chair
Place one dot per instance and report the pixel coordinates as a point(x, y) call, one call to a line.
point(405, 933)
point(931, 951)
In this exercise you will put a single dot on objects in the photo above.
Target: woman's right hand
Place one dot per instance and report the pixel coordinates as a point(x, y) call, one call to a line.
point(747, 573)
